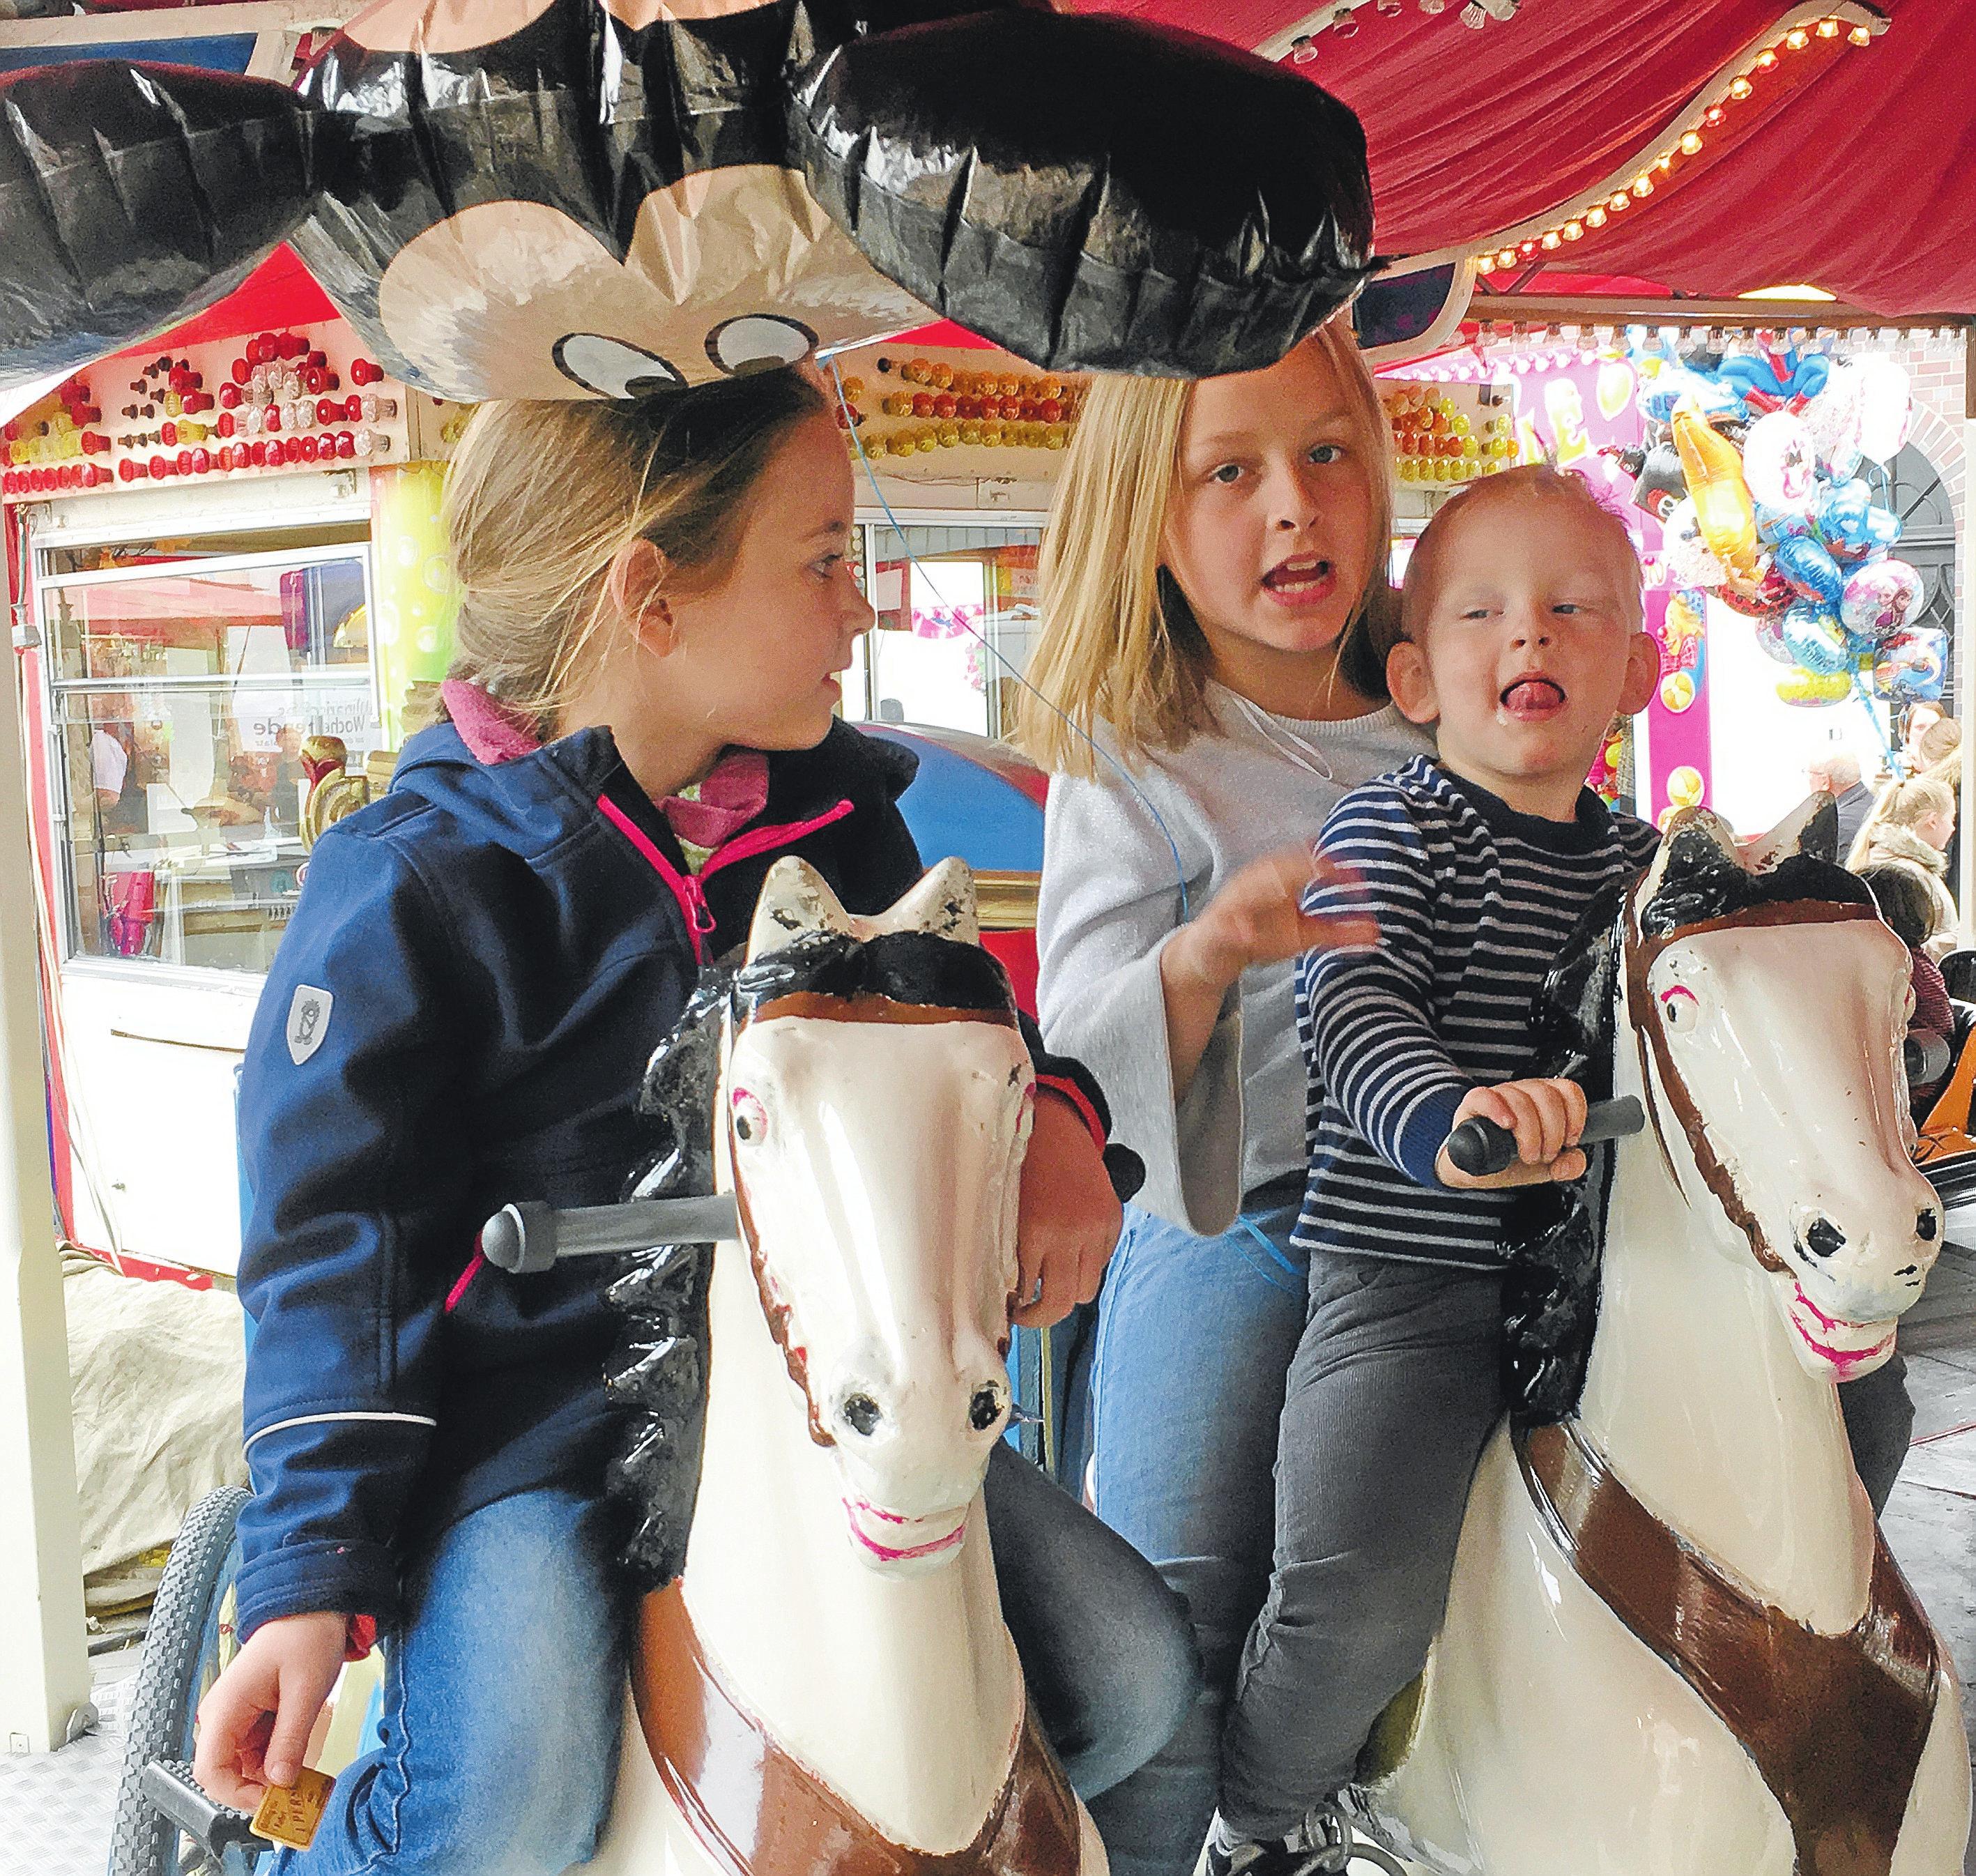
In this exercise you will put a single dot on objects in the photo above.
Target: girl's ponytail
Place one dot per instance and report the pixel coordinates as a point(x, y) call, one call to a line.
point(1900, 804)
point(541, 498)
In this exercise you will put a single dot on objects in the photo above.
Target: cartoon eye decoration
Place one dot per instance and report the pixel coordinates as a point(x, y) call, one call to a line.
point(612, 368)
point(1681, 1010)
point(759, 342)
point(751, 1119)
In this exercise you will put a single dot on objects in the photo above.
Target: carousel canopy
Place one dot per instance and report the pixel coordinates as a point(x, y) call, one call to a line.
point(1831, 146)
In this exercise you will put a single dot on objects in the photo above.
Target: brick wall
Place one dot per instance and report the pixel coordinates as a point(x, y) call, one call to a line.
point(1936, 367)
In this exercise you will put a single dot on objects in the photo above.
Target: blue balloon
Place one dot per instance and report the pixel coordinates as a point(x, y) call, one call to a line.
point(1811, 569)
point(1841, 516)
point(1779, 524)
point(1660, 394)
point(1778, 376)
point(1813, 636)
point(1883, 529)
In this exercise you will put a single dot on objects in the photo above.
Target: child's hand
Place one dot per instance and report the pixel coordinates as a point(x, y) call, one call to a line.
point(1067, 1216)
point(1546, 1116)
point(255, 1722)
point(1258, 918)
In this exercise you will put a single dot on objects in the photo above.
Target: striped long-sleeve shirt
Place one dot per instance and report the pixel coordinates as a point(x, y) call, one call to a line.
point(1474, 901)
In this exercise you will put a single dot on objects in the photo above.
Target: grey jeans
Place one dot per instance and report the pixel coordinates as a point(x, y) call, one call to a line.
point(1393, 1391)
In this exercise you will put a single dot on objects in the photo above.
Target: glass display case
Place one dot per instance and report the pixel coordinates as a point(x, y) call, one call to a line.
point(182, 690)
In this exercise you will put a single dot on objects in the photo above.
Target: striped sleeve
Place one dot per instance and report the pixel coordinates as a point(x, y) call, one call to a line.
point(1365, 1012)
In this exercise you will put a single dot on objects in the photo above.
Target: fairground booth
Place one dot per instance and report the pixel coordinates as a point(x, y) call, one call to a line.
point(1715, 255)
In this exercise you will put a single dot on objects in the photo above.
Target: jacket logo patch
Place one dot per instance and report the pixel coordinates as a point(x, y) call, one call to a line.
point(308, 1022)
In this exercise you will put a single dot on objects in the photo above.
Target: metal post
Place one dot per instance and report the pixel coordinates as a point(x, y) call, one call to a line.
point(44, 1661)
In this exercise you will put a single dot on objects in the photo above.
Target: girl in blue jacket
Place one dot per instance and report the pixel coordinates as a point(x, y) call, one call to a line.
point(657, 600)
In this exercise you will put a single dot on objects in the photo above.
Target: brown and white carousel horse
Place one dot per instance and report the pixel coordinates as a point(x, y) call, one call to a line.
point(827, 1689)
point(1676, 1643)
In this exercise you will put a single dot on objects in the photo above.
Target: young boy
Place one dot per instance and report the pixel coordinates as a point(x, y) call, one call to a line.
point(1521, 639)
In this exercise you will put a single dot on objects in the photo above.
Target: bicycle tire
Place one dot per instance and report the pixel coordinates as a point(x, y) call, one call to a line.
point(184, 1636)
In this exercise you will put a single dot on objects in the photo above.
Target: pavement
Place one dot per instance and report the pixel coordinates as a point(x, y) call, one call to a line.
point(55, 1808)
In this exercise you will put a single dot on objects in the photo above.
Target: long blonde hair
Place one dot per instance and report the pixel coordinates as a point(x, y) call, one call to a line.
point(1901, 804)
point(1119, 645)
point(541, 498)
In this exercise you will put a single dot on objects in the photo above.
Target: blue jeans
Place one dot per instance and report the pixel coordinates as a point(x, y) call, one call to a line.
point(503, 1691)
point(1184, 1377)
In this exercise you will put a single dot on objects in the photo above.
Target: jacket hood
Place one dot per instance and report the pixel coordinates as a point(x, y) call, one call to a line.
point(1889, 842)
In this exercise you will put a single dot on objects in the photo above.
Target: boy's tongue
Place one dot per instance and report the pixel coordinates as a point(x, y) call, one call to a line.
point(1533, 696)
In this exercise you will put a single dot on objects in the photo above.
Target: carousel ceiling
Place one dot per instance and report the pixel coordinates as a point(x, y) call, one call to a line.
point(1830, 145)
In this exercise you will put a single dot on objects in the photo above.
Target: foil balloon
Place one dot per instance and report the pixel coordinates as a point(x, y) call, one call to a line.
point(1770, 635)
point(552, 197)
point(1722, 498)
point(1912, 666)
point(1833, 417)
point(1767, 599)
point(1886, 408)
point(1807, 689)
point(1780, 464)
point(1771, 380)
point(1811, 570)
point(1690, 562)
point(1876, 598)
point(1842, 515)
point(1779, 524)
point(1816, 639)
point(1673, 384)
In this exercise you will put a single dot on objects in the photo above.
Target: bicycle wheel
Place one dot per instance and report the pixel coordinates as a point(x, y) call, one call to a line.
point(190, 1641)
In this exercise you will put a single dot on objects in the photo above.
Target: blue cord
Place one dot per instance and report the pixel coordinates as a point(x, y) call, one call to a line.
point(952, 618)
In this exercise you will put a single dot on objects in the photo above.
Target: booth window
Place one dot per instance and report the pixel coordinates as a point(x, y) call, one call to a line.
point(182, 691)
point(956, 621)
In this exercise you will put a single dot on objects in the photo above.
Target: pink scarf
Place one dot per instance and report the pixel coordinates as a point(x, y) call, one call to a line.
point(730, 795)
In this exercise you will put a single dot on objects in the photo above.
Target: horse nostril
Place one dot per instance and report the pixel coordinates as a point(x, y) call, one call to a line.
point(985, 1408)
point(861, 1414)
point(1926, 1225)
point(1824, 1237)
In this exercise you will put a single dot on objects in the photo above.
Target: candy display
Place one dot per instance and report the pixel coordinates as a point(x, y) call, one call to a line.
point(1777, 516)
point(556, 199)
point(1435, 440)
point(921, 404)
point(278, 401)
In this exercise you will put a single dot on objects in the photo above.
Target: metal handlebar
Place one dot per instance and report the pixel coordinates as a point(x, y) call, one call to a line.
point(1480, 1147)
point(530, 1236)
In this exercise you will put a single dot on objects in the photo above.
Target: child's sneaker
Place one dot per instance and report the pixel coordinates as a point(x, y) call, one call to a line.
point(1322, 1845)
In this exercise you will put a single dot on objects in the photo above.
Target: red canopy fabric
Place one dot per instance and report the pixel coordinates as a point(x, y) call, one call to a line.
point(1849, 169)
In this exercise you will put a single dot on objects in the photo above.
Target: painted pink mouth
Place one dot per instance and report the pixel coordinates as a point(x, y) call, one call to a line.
point(1843, 1361)
point(857, 1509)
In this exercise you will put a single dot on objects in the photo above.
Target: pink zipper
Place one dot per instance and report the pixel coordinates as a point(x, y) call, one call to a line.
point(685, 887)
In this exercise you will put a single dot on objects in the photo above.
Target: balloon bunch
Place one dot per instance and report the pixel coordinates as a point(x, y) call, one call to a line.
point(1752, 467)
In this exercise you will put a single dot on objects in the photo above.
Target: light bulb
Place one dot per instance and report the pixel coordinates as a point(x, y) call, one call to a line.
point(1691, 145)
point(1740, 88)
point(1573, 230)
point(1828, 29)
point(1797, 38)
point(1595, 216)
point(1643, 187)
point(1859, 35)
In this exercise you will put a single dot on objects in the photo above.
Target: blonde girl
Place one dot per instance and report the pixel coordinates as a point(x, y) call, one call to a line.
point(1910, 827)
point(1216, 615)
point(658, 602)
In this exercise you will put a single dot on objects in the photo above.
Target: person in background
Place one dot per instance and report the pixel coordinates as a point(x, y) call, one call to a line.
point(1941, 750)
point(1905, 904)
point(1910, 827)
point(1836, 773)
point(1921, 718)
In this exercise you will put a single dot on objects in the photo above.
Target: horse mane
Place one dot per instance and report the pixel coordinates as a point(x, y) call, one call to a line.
point(1555, 1234)
point(659, 1365)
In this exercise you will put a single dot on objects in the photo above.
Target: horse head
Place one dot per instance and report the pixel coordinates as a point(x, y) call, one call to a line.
point(872, 1113)
point(1769, 1004)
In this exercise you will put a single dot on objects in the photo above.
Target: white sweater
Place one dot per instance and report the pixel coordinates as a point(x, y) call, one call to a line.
point(1111, 898)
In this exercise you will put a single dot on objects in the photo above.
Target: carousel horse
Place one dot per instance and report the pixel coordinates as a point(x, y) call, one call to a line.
point(828, 1685)
point(1676, 1643)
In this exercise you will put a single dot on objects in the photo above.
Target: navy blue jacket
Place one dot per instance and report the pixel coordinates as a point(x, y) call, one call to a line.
point(459, 1016)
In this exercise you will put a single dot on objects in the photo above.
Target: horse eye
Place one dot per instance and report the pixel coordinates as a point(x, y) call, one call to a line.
point(757, 342)
point(1679, 1009)
point(985, 1408)
point(751, 1119)
point(613, 368)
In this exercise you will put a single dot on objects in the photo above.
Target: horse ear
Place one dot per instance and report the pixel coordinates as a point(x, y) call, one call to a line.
point(941, 905)
point(796, 899)
point(1811, 829)
point(1698, 841)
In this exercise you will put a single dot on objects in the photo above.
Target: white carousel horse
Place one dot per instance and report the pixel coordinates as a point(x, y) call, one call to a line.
point(829, 1686)
point(1675, 1645)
